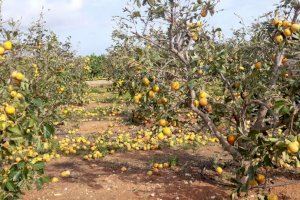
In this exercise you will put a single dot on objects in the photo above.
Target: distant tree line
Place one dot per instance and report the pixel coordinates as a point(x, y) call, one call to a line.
point(97, 66)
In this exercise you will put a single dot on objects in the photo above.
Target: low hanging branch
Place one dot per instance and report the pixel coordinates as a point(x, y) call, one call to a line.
point(213, 128)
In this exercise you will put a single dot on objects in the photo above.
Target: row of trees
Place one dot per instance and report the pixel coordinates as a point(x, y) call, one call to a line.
point(39, 74)
point(244, 90)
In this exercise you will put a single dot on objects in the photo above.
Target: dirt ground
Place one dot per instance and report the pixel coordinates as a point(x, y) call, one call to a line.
point(103, 179)
point(99, 83)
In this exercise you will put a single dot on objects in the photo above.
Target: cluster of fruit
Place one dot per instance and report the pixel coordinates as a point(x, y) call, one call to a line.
point(155, 89)
point(71, 146)
point(109, 142)
point(6, 46)
point(31, 154)
point(194, 29)
point(24, 138)
point(288, 146)
point(285, 30)
point(203, 101)
point(79, 112)
point(8, 111)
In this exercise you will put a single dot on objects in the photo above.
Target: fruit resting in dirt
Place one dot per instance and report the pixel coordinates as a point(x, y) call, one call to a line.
point(149, 173)
point(66, 173)
point(272, 197)
point(163, 122)
point(260, 178)
point(160, 136)
point(167, 131)
point(252, 183)
point(54, 180)
point(219, 170)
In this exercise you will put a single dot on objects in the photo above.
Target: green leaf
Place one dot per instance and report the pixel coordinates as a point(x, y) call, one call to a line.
point(273, 139)
point(284, 110)
point(15, 130)
point(39, 166)
point(10, 186)
point(136, 14)
point(267, 161)
point(17, 175)
point(39, 183)
point(48, 130)
point(37, 102)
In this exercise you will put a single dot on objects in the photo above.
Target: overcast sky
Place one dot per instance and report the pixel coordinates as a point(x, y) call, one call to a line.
point(89, 22)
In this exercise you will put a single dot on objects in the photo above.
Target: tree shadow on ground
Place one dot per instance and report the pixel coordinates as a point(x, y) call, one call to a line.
point(188, 181)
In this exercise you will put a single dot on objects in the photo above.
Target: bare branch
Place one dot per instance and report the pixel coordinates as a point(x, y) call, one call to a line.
point(212, 127)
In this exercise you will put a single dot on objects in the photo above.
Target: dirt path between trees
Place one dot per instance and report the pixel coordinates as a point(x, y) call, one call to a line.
point(103, 179)
point(99, 83)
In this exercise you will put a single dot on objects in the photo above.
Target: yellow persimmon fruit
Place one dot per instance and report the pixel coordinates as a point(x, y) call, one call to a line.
point(66, 173)
point(163, 122)
point(272, 197)
point(252, 183)
point(231, 139)
point(203, 102)
point(151, 94)
point(146, 81)
point(295, 28)
point(155, 88)
point(7, 45)
point(204, 12)
point(196, 103)
point(13, 94)
point(287, 32)
point(167, 131)
point(18, 159)
point(219, 170)
point(279, 38)
point(164, 100)
point(161, 136)
point(20, 76)
point(19, 96)
point(203, 94)
point(54, 180)
point(293, 147)
point(286, 24)
point(258, 65)
point(260, 178)
point(277, 22)
point(175, 85)
point(2, 50)
point(149, 173)
point(10, 110)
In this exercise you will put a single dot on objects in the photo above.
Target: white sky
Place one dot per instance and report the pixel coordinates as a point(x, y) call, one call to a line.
point(89, 23)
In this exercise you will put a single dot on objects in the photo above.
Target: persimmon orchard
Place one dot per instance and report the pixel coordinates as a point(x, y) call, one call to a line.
point(181, 85)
